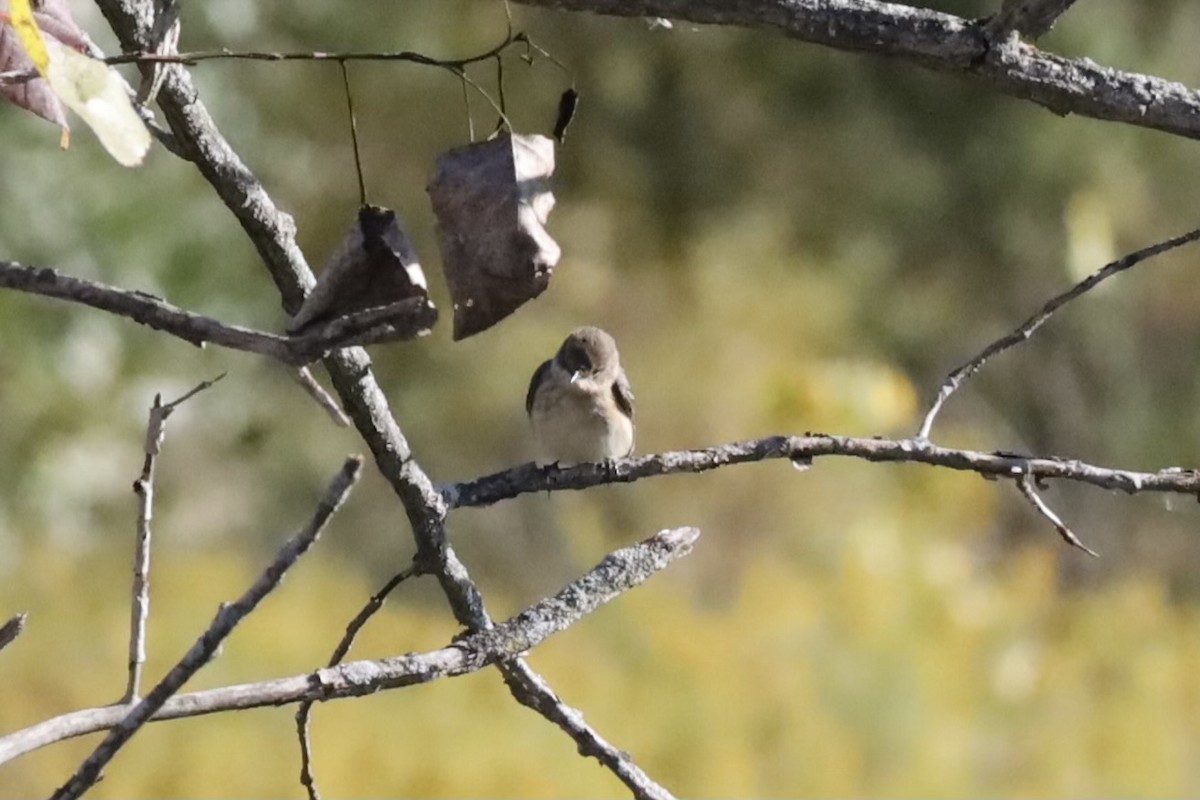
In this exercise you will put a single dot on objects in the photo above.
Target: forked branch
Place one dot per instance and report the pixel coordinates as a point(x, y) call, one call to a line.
point(227, 618)
point(619, 572)
point(403, 320)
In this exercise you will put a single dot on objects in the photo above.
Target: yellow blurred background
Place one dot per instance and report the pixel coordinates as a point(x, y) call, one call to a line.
point(782, 239)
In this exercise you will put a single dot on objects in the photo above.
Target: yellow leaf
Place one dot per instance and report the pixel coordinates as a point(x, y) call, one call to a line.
point(21, 15)
point(95, 92)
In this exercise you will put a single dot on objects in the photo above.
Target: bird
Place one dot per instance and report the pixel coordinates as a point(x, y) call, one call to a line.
point(580, 404)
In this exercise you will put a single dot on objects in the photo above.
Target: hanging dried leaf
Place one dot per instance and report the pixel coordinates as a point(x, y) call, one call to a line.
point(374, 266)
point(22, 21)
point(100, 96)
point(33, 95)
point(491, 200)
point(44, 36)
point(53, 17)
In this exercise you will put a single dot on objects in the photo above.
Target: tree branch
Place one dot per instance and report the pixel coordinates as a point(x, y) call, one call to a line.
point(202, 651)
point(941, 42)
point(405, 319)
point(529, 478)
point(1025, 486)
point(411, 56)
point(273, 233)
point(307, 778)
point(617, 573)
point(143, 487)
point(1027, 328)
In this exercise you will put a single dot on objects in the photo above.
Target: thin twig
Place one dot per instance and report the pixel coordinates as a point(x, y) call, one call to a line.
point(316, 391)
point(456, 66)
point(143, 487)
point(467, 110)
point(222, 625)
point(398, 321)
point(530, 478)
point(617, 573)
point(1022, 333)
point(195, 57)
point(1025, 484)
point(307, 779)
point(11, 630)
point(362, 186)
point(467, 79)
point(170, 407)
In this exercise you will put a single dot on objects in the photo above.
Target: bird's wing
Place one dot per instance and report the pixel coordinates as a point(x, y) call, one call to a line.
point(623, 394)
point(539, 375)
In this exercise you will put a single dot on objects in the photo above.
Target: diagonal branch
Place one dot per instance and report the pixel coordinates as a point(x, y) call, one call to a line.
point(530, 478)
point(405, 319)
point(532, 691)
point(1025, 485)
point(619, 572)
point(944, 43)
point(1027, 328)
point(202, 651)
point(307, 779)
point(272, 232)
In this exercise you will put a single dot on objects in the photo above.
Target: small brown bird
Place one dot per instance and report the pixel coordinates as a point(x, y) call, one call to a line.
point(579, 402)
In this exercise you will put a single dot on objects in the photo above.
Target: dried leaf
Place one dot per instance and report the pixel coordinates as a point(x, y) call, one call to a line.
point(100, 96)
point(34, 95)
point(90, 88)
point(54, 19)
point(374, 266)
point(21, 18)
point(491, 200)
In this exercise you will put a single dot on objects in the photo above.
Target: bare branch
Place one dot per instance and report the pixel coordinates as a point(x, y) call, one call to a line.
point(410, 56)
point(1026, 329)
point(405, 319)
point(941, 42)
point(1025, 484)
point(143, 487)
point(531, 690)
point(222, 625)
point(307, 779)
point(617, 573)
point(10, 630)
point(528, 478)
point(203, 386)
point(273, 234)
point(304, 377)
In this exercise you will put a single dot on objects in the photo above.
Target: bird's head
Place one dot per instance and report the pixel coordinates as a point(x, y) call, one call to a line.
point(588, 353)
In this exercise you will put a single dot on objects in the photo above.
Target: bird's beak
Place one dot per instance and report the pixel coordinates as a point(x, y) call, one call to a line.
point(576, 375)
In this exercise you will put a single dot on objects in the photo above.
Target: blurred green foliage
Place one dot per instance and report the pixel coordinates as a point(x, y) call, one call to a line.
point(782, 238)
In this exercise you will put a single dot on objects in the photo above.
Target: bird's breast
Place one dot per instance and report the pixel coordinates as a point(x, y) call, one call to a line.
point(572, 427)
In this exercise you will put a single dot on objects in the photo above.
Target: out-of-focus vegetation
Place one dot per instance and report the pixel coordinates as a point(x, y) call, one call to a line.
point(781, 238)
